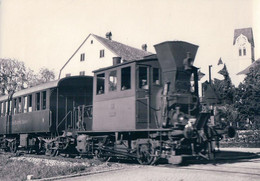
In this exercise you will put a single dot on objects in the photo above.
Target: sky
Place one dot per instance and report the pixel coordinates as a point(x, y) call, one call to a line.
point(45, 33)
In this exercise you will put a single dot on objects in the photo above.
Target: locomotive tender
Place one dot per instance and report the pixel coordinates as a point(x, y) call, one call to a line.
point(144, 109)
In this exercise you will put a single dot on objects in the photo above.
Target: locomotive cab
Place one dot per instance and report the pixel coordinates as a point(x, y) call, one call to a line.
point(126, 96)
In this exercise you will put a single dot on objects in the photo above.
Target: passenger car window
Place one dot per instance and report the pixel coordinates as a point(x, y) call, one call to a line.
point(30, 103)
point(19, 105)
point(126, 78)
point(44, 100)
point(38, 99)
point(112, 81)
point(15, 106)
point(101, 83)
point(25, 104)
point(2, 109)
point(5, 108)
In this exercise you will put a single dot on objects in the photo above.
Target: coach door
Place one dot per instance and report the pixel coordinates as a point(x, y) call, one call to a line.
point(142, 97)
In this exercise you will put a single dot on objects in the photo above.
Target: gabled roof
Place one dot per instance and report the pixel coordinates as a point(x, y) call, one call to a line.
point(127, 53)
point(248, 32)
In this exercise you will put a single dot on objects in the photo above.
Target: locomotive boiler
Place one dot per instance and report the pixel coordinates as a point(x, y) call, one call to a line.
point(145, 110)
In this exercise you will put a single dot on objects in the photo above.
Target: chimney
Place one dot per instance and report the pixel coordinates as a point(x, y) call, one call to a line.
point(116, 60)
point(144, 47)
point(109, 35)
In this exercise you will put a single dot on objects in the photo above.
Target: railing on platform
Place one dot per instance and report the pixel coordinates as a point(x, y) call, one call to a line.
point(82, 114)
point(76, 119)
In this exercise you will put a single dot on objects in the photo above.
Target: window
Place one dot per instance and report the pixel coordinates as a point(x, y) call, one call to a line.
point(25, 103)
point(126, 78)
point(143, 79)
point(91, 41)
point(19, 105)
point(240, 52)
point(38, 100)
point(156, 76)
point(101, 53)
point(30, 103)
point(82, 57)
point(10, 107)
point(44, 100)
point(68, 75)
point(2, 109)
point(112, 81)
point(100, 83)
point(82, 73)
point(6, 107)
point(15, 106)
point(244, 51)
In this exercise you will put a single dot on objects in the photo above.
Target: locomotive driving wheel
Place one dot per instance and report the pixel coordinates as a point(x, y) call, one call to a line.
point(51, 150)
point(99, 153)
point(146, 154)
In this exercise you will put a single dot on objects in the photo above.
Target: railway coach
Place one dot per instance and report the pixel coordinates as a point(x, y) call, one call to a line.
point(43, 111)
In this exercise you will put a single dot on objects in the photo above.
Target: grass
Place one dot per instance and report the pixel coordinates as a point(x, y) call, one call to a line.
point(17, 170)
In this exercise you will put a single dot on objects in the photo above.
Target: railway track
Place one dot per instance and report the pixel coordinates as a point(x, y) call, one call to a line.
point(218, 167)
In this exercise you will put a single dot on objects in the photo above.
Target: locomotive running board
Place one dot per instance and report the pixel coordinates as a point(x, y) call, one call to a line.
point(122, 131)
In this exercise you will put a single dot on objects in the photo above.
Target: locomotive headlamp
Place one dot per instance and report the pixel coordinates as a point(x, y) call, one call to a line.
point(188, 131)
point(181, 118)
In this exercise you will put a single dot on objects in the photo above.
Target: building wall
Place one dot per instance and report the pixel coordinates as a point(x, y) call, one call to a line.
point(91, 48)
point(241, 61)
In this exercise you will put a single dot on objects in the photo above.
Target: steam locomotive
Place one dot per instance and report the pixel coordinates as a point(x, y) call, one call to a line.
point(145, 109)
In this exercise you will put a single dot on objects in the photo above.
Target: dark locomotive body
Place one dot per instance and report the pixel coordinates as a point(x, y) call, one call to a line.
point(145, 109)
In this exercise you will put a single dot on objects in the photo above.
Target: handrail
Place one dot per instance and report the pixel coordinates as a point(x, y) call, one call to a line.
point(50, 119)
point(63, 119)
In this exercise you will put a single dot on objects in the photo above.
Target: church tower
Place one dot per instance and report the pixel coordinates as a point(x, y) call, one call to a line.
point(244, 54)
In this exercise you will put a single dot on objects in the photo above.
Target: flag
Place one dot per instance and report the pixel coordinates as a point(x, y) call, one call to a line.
point(220, 61)
point(223, 71)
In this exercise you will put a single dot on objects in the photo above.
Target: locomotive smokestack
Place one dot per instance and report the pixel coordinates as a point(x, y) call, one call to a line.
point(176, 59)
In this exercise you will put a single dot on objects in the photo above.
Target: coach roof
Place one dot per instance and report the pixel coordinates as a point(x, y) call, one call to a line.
point(30, 90)
point(44, 86)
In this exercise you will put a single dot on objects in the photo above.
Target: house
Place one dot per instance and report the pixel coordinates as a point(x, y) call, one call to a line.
point(96, 52)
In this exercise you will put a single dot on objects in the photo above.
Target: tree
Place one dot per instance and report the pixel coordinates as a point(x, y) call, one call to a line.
point(45, 75)
point(12, 76)
point(247, 99)
point(224, 88)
